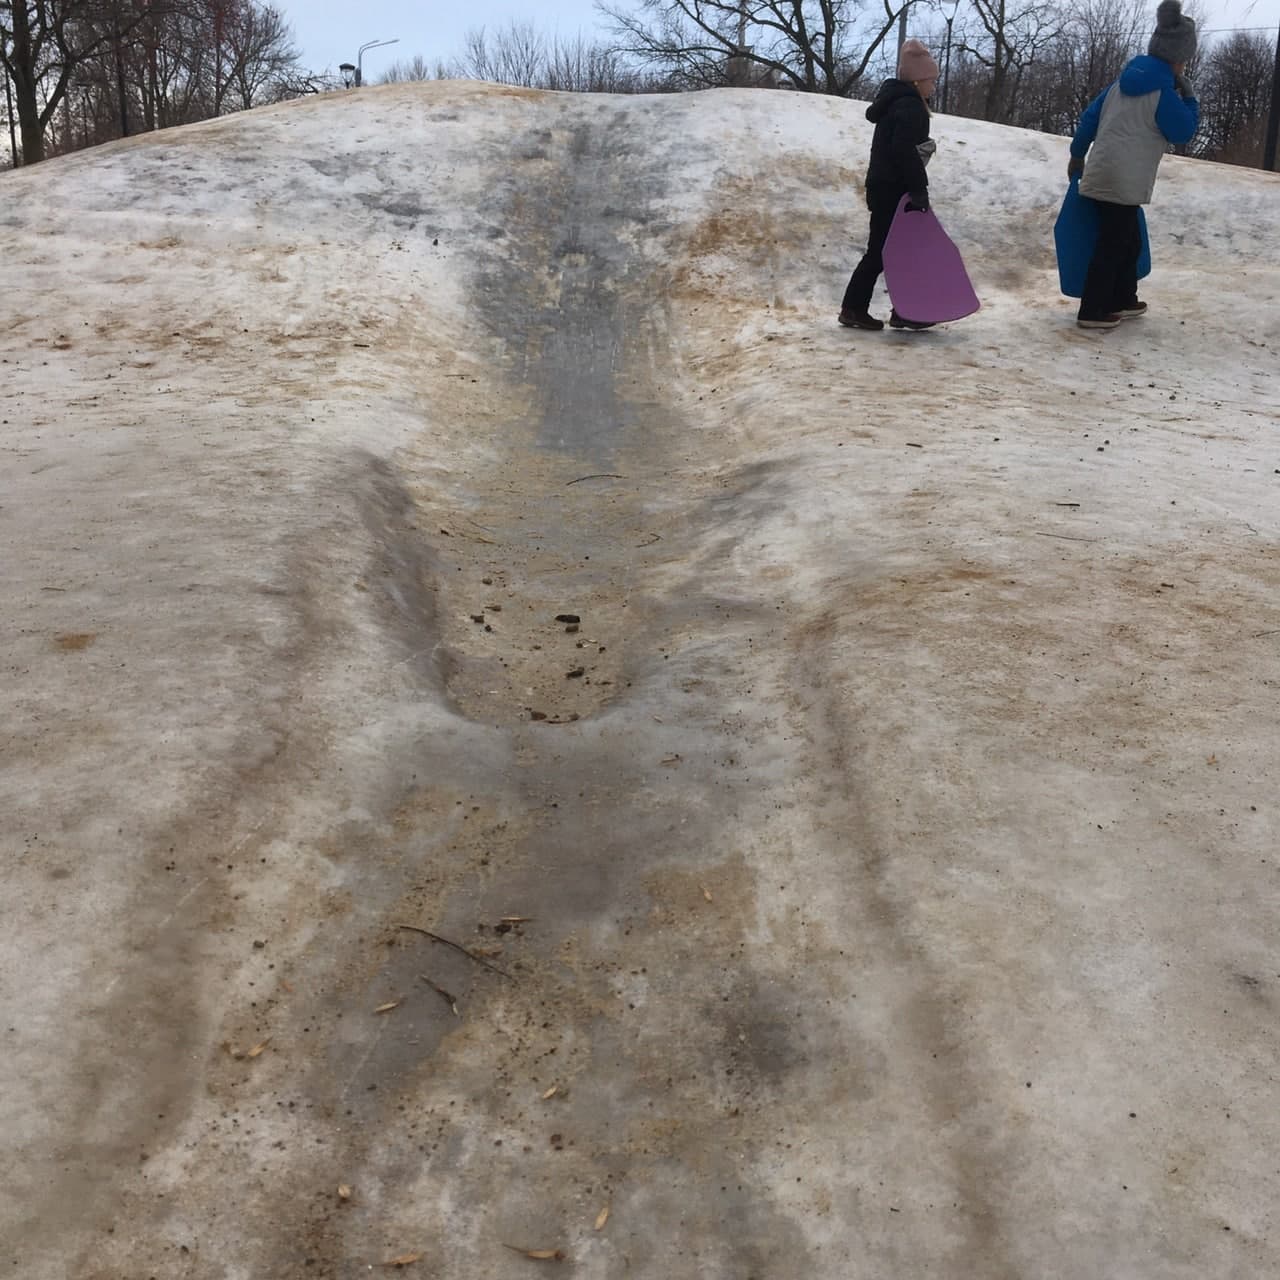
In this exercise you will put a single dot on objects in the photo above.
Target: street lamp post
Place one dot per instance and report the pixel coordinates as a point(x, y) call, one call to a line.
point(372, 44)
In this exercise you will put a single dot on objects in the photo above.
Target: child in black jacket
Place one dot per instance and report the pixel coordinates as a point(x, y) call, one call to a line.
point(899, 148)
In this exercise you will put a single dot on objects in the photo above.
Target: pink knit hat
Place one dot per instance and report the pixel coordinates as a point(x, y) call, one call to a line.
point(915, 62)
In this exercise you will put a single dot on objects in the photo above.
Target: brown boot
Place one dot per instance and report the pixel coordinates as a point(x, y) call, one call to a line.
point(1099, 322)
point(901, 322)
point(859, 320)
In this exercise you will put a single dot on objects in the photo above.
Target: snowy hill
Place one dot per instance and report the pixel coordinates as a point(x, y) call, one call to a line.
point(878, 879)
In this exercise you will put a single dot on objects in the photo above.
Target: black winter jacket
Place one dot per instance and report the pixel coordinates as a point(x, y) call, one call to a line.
point(902, 123)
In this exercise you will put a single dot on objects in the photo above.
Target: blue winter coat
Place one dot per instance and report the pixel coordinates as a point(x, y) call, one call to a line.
point(1130, 125)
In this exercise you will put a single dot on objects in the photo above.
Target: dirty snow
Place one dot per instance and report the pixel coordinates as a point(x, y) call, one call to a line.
point(896, 871)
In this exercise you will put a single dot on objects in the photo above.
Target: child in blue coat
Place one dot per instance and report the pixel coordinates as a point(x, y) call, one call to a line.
point(1129, 126)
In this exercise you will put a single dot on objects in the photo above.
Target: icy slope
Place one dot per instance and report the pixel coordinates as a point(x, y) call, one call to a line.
point(896, 830)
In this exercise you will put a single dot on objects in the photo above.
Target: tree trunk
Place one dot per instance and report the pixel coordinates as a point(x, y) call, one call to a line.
point(29, 128)
point(151, 88)
point(122, 88)
point(219, 26)
point(24, 88)
point(999, 79)
point(1273, 116)
point(13, 132)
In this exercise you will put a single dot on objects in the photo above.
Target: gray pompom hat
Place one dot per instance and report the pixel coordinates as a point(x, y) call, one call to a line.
point(1174, 39)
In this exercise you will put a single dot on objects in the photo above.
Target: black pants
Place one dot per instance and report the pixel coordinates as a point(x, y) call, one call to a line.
point(862, 284)
point(1112, 282)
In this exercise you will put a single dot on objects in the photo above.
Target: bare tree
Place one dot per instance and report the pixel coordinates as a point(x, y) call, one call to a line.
point(1081, 60)
point(260, 53)
point(582, 66)
point(1006, 37)
point(1103, 35)
point(520, 54)
point(10, 120)
point(246, 47)
point(515, 55)
point(44, 43)
point(1235, 97)
point(1088, 52)
point(173, 61)
point(820, 46)
point(415, 68)
point(154, 63)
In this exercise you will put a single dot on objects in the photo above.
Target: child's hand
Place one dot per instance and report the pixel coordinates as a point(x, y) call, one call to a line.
point(1183, 86)
point(917, 202)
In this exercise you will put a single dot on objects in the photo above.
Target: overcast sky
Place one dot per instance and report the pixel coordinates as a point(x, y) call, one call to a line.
point(330, 31)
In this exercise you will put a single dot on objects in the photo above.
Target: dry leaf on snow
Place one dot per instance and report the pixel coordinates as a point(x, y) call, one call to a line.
point(404, 1260)
point(344, 1192)
point(386, 1008)
point(258, 1048)
point(602, 1217)
point(538, 1255)
point(706, 893)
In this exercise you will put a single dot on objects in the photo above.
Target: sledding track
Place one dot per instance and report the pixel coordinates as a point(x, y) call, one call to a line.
point(897, 865)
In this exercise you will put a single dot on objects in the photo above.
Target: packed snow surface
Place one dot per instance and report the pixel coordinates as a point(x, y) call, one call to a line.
point(879, 878)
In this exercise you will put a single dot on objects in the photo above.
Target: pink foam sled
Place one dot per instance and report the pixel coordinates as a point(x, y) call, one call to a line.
point(923, 270)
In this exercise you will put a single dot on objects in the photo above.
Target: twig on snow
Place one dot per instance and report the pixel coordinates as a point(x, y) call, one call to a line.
point(457, 946)
point(450, 1000)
